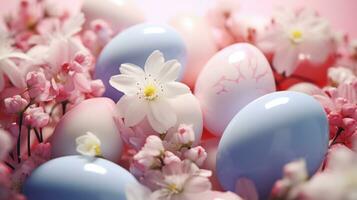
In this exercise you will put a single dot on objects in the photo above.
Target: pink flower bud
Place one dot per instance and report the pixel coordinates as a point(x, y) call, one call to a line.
point(349, 109)
point(15, 104)
point(36, 117)
point(170, 158)
point(335, 118)
point(97, 88)
point(37, 84)
point(197, 154)
point(185, 134)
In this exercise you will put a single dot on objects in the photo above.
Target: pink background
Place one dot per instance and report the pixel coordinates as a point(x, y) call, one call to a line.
point(341, 13)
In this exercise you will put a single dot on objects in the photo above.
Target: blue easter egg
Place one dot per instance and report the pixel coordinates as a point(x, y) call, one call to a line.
point(78, 177)
point(268, 133)
point(134, 45)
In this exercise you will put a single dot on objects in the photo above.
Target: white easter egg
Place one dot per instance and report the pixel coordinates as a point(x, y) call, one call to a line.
point(119, 13)
point(231, 79)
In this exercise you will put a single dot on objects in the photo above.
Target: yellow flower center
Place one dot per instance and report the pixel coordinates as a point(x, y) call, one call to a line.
point(98, 150)
point(296, 36)
point(150, 92)
point(173, 188)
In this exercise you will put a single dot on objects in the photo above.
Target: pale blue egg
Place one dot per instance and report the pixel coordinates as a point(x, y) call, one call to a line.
point(134, 45)
point(78, 177)
point(267, 134)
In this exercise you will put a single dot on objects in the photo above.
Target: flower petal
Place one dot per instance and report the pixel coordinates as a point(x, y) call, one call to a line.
point(13, 73)
point(170, 71)
point(155, 124)
point(123, 104)
point(131, 70)
point(154, 63)
point(174, 89)
point(285, 60)
point(163, 113)
point(197, 184)
point(124, 83)
point(135, 112)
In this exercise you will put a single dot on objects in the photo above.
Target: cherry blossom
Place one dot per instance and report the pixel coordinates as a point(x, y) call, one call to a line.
point(182, 180)
point(15, 104)
point(294, 36)
point(147, 92)
point(36, 117)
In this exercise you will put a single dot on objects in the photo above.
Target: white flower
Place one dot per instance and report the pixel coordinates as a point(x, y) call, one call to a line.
point(147, 93)
point(89, 145)
point(295, 36)
point(8, 66)
point(339, 75)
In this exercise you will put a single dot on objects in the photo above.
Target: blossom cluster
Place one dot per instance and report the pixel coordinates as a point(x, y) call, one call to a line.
point(46, 68)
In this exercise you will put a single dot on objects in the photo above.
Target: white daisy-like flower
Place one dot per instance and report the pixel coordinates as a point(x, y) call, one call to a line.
point(147, 92)
point(89, 145)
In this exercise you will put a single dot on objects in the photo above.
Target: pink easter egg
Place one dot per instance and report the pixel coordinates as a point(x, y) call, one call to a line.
point(231, 79)
point(199, 41)
point(95, 115)
point(307, 88)
point(119, 13)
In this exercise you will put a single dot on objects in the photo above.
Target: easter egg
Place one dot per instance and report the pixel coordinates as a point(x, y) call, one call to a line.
point(307, 88)
point(78, 177)
point(120, 14)
point(200, 44)
point(134, 45)
point(268, 133)
point(231, 79)
point(95, 115)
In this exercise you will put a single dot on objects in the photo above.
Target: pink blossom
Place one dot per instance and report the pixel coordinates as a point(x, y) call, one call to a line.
point(38, 86)
point(197, 154)
point(340, 105)
point(183, 180)
point(337, 181)
point(99, 34)
point(36, 117)
point(5, 143)
point(15, 104)
point(295, 36)
point(169, 158)
point(149, 155)
point(97, 88)
point(40, 154)
point(185, 134)
point(295, 174)
point(338, 75)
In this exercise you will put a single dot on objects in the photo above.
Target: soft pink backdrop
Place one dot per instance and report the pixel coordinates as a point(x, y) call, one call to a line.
point(341, 13)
